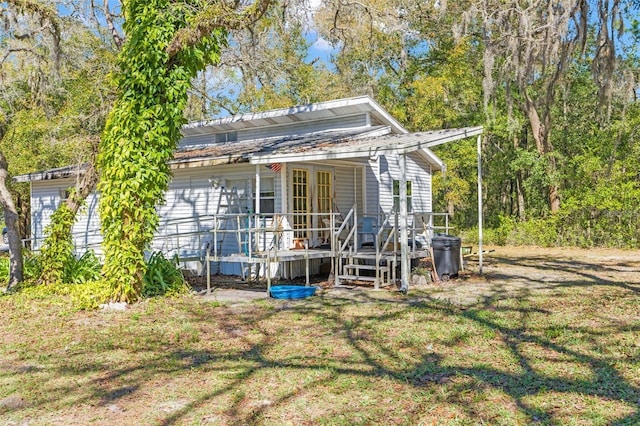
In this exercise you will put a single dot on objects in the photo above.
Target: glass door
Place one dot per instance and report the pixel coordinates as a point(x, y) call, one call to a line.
point(324, 185)
point(300, 204)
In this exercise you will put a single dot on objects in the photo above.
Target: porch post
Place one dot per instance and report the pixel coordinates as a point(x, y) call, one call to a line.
point(257, 210)
point(480, 203)
point(404, 239)
point(283, 188)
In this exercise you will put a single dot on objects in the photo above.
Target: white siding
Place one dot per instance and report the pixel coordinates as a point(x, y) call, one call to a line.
point(186, 222)
point(418, 172)
point(348, 188)
point(184, 215)
point(86, 230)
point(305, 127)
point(45, 199)
point(46, 196)
point(372, 188)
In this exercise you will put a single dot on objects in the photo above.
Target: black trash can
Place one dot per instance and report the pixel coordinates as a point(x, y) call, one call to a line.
point(446, 255)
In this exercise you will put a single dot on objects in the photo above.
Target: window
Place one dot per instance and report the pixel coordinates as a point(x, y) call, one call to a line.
point(65, 193)
point(226, 137)
point(267, 196)
point(324, 183)
point(325, 194)
point(396, 195)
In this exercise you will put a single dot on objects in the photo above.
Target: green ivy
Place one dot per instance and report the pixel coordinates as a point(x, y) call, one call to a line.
point(142, 132)
point(57, 247)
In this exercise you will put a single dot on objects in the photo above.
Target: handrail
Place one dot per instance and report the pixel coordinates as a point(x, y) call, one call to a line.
point(189, 236)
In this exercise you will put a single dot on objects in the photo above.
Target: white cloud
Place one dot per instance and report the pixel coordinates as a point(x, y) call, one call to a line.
point(314, 4)
point(322, 45)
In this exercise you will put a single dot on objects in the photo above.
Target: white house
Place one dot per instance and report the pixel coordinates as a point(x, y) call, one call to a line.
point(288, 189)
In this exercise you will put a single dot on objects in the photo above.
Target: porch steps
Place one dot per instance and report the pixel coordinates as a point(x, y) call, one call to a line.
point(353, 270)
point(365, 267)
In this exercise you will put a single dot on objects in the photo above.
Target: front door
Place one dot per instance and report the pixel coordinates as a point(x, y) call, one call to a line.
point(324, 204)
point(301, 204)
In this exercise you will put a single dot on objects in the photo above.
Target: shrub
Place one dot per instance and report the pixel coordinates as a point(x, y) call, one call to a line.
point(81, 270)
point(4, 270)
point(163, 277)
point(30, 264)
point(541, 232)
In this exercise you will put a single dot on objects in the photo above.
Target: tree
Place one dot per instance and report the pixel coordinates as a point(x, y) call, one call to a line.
point(11, 219)
point(166, 44)
point(529, 48)
point(54, 103)
point(20, 43)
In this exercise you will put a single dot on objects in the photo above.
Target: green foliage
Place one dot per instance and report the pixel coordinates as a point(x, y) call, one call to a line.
point(57, 248)
point(142, 132)
point(32, 266)
point(84, 269)
point(89, 295)
point(163, 277)
point(80, 280)
point(4, 269)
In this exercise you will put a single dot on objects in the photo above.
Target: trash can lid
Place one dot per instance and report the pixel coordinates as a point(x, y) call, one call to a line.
point(444, 237)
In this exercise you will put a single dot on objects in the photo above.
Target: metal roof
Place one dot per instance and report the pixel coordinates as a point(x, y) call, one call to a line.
point(323, 146)
point(242, 151)
point(371, 146)
point(59, 173)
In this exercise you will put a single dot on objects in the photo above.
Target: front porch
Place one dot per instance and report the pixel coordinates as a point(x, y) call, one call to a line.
point(266, 247)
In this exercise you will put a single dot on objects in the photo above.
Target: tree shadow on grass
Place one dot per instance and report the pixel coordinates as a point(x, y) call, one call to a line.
point(511, 347)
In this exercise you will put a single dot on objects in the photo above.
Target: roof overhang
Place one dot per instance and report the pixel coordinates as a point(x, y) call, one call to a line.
point(59, 173)
point(368, 144)
point(317, 111)
point(391, 144)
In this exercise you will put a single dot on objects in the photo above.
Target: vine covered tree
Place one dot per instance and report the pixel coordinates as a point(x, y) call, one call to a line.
point(166, 44)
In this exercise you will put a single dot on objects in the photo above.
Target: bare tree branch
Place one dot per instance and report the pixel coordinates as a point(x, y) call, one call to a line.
point(219, 14)
point(109, 16)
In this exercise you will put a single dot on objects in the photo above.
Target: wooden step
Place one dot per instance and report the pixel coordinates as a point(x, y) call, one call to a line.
point(367, 256)
point(355, 278)
point(364, 267)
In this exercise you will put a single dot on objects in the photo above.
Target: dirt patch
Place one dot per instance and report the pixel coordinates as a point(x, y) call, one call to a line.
point(510, 271)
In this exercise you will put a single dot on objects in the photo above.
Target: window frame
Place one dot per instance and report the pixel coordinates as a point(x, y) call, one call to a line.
point(396, 195)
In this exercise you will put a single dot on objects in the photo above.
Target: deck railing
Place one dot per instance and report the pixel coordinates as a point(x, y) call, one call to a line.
point(254, 234)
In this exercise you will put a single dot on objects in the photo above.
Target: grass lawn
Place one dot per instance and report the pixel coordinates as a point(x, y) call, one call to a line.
point(546, 336)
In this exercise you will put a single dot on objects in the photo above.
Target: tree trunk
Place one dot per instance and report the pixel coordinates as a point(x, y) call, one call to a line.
point(520, 196)
point(84, 187)
point(554, 189)
point(540, 129)
point(519, 191)
point(11, 220)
